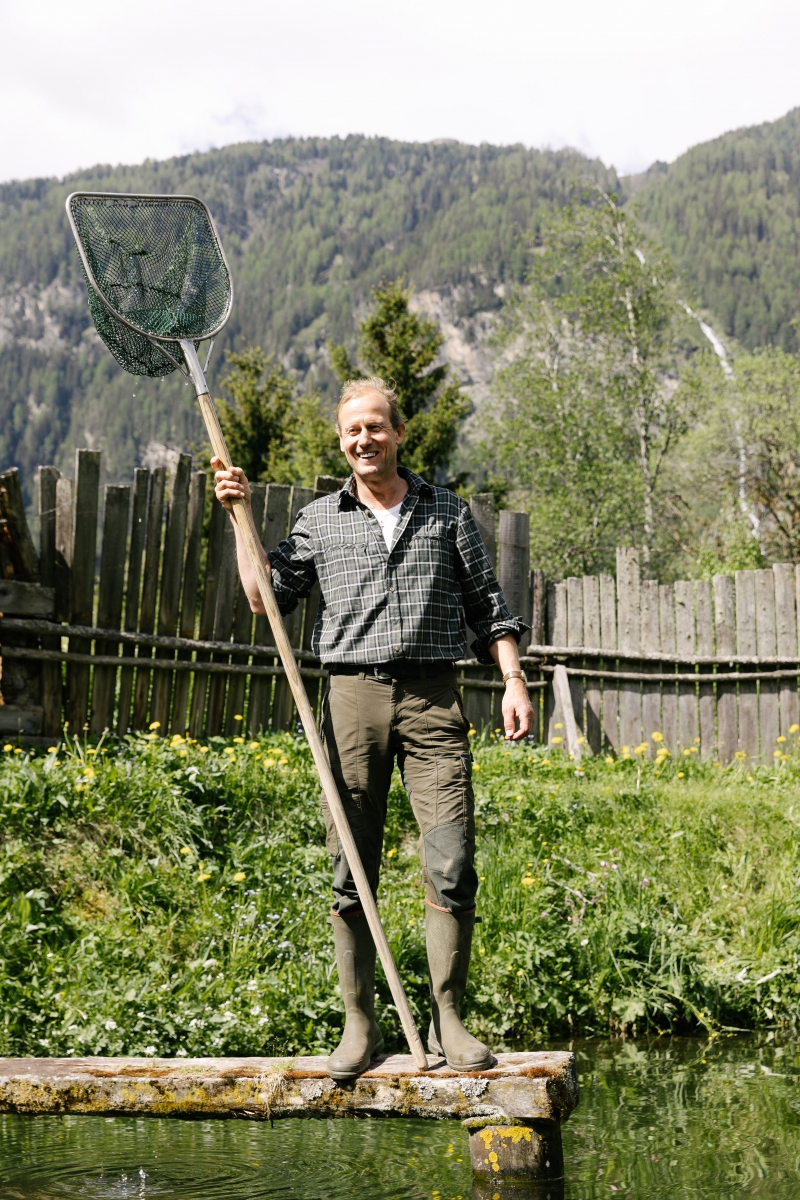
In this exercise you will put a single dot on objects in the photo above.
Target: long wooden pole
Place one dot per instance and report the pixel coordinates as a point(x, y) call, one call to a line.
point(244, 520)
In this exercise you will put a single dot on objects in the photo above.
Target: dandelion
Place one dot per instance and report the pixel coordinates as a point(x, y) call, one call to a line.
point(8, 747)
point(239, 741)
point(794, 728)
point(641, 749)
point(472, 733)
point(186, 850)
point(18, 750)
point(52, 749)
point(556, 741)
point(558, 725)
point(284, 761)
point(204, 749)
point(237, 717)
point(776, 753)
point(697, 741)
point(152, 737)
point(680, 774)
point(476, 766)
point(154, 725)
point(252, 745)
point(183, 752)
point(581, 740)
point(391, 853)
point(269, 762)
point(203, 876)
point(527, 880)
point(239, 877)
point(610, 760)
point(657, 737)
point(780, 739)
point(177, 740)
point(740, 754)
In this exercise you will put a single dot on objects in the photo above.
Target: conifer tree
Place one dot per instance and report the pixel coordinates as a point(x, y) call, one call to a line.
point(400, 347)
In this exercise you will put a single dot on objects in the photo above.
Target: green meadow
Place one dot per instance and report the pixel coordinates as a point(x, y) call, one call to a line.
point(161, 896)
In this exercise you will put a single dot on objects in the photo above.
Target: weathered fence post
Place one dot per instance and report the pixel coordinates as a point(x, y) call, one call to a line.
point(191, 573)
point(171, 574)
point(687, 692)
point(725, 636)
point(786, 637)
point(84, 551)
point(592, 639)
point(276, 518)
point(109, 601)
point(705, 648)
point(628, 607)
point(651, 644)
point(51, 671)
point(766, 640)
point(746, 645)
point(141, 490)
point(608, 641)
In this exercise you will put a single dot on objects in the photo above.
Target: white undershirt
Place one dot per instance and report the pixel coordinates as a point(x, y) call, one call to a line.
point(388, 519)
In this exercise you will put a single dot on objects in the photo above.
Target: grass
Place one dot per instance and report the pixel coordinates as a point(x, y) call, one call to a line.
point(164, 897)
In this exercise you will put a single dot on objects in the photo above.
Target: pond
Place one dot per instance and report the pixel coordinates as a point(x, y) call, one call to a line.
point(657, 1119)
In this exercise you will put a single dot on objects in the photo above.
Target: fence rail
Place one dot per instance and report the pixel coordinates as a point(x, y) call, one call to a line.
point(156, 627)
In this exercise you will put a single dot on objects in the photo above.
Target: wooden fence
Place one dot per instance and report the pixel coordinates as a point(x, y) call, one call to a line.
point(156, 627)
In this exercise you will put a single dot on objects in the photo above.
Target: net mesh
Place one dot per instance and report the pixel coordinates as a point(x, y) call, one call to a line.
point(158, 263)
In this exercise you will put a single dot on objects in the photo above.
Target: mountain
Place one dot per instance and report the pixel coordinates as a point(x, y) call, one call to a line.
point(309, 226)
point(728, 214)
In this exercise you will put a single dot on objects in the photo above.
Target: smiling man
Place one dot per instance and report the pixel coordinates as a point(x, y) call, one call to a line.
point(400, 563)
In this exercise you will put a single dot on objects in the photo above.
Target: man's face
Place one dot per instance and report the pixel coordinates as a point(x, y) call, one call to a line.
point(368, 439)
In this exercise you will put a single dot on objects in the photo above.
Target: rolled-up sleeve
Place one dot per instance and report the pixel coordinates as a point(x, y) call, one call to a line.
point(484, 603)
point(293, 569)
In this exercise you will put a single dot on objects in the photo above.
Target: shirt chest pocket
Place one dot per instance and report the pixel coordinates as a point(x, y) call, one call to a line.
point(348, 567)
point(430, 549)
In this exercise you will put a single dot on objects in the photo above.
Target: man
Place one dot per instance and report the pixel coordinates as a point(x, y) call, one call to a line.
point(399, 562)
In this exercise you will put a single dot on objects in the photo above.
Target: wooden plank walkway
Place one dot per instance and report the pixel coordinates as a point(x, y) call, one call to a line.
point(538, 1086)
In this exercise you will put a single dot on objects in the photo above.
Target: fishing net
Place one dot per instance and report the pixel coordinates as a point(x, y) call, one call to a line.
point(155, 269)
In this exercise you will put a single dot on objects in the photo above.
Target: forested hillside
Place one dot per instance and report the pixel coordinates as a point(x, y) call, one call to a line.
point(728, 214)
point(310, 227)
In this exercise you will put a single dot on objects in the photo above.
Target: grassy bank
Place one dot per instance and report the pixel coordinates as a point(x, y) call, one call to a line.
point(164, 897)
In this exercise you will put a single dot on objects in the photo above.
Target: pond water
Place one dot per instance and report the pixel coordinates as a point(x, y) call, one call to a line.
point(656, 1119)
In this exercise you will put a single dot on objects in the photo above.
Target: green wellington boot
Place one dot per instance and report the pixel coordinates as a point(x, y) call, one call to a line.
point(449, 944)
point(355, 959)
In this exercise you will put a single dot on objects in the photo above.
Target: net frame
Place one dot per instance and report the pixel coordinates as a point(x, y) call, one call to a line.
point(176, 356)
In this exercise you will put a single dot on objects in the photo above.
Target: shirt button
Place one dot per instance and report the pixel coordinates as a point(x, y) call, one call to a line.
point(396, 649)
point(391, 587)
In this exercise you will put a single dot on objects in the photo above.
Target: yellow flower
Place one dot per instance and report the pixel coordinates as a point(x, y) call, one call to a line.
point(89, 772)
point(52, 749)
point(740, 754)
point(686, 752)
point(626, 749)
point(18, 750)
point(780, 739)
point(794, 728)
point(269, 762)
point(558, 725)
point(784, 758)
point(610, 759)
point(253, 745)
point(693, 749)
point(237, 717)
point(776, 753)
point(8, 747)
point(680, 774)
point(472, 733)
point(239, 741)
point(697, 741)
point(239, 877)
point(183, 752)
point(177, 740)
point(203, 876)
point(476, 766)
point(657, 737)
point(152, 737)
point(204, 749)
point(498, 731)
point(95, 752)
point(154, 725)
point(641, 749)
point(556, 740)
point(527, 880)
point(284, 761)
point(581, 740)
point(391, 853)
point(229, 750)
point(186, 849)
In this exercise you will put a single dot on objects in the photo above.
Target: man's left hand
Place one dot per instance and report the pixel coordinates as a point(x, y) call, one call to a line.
point(517, 708)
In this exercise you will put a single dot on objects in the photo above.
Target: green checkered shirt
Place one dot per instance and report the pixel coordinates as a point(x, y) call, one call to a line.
point(408, 603)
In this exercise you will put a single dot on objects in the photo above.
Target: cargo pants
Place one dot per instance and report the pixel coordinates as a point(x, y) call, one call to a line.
point(366, 724)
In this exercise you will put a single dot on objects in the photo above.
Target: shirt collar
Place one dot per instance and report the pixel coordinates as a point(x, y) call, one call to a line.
point(416, 486)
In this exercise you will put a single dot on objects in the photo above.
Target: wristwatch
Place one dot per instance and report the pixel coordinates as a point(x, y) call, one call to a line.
point(515, 675)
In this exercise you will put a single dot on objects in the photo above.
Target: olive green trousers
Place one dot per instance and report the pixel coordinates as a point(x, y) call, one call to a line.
point(367, 724)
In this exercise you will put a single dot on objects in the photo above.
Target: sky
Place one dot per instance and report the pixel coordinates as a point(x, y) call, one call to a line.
point(86, 81)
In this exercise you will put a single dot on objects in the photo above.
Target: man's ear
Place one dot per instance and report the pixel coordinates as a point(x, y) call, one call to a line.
point(401, 432)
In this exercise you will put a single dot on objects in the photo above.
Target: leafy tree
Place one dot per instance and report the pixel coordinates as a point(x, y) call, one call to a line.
point(272, 434)
point(398, 345)
point(742, 470)
point(589, 405)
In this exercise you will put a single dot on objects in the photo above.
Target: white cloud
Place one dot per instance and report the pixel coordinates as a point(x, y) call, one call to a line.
point(95, 81)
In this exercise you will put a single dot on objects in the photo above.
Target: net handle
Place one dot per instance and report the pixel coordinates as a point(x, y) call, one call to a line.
point(244, 520)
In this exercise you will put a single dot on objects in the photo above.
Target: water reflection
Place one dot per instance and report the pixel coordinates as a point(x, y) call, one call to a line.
point(656, 1120)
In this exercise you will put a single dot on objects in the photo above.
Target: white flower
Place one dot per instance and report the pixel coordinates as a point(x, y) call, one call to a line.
point(111, 1025)
point(181, 1053)
point(151, 1050)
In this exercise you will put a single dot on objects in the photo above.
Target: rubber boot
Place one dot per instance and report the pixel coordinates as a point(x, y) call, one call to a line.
point(355, 959)
point(449, 940)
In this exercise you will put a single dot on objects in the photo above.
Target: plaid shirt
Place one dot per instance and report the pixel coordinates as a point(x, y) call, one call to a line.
point(378, 605)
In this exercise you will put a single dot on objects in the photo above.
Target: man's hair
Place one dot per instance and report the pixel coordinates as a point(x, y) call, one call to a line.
point(357, 387)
